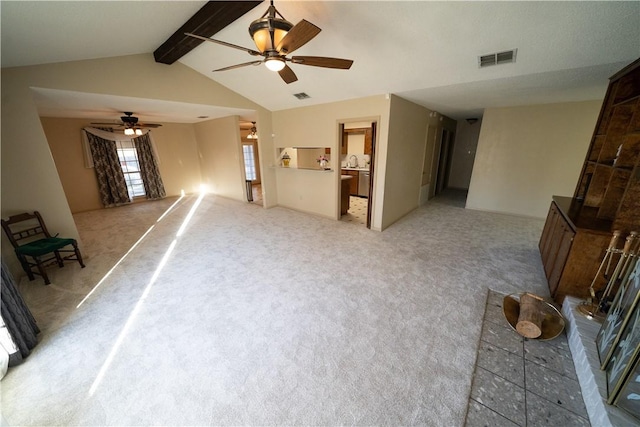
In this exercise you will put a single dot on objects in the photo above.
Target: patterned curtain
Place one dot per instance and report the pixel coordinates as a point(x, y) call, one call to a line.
point(17, 318)
point(111, 183)
point(153, 186)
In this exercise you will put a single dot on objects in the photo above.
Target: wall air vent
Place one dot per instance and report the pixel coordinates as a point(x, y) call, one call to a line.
point(301, 95)
point(497, 58)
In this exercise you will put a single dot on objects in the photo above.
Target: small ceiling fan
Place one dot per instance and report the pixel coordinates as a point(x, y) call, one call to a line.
point(130, 124)
point(275, 38)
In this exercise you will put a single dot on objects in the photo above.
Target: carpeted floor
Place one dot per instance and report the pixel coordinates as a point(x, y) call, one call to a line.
point(247, 316)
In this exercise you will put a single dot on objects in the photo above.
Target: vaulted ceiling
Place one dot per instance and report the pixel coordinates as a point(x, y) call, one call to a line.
point(424, 51)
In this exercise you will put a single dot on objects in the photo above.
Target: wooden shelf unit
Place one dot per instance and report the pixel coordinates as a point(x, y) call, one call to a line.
point(610, 178)
point(607, 197)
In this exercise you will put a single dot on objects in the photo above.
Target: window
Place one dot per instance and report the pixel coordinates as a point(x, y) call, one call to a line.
point(130, 167)
point(249, 162)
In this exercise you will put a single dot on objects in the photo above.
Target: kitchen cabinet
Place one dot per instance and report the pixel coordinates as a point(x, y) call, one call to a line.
point(344, 193)
point(353, 183)
point(344, 143)
point(606, 198)
point(368, 140)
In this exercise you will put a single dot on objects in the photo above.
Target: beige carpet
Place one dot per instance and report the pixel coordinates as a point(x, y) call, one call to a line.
point(267, 317)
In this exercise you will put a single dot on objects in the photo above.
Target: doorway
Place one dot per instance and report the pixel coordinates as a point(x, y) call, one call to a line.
point(444, 161)
point(252, 171)
point(357, 164)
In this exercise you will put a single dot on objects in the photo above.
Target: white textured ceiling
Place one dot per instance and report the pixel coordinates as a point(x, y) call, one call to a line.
point(423, 51)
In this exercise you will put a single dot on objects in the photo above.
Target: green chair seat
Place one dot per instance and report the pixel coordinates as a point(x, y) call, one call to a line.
point(43, 246)
point(40, 247)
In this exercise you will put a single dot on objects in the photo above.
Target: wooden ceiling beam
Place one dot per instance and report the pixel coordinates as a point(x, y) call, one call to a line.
point(211, 18)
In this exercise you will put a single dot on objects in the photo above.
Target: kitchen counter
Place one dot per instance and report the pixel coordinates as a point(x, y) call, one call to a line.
point(354, 169)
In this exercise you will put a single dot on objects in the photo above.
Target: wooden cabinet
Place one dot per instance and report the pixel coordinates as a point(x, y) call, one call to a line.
point(344, 143)
point(353, 182)
point(344, 196)
point(578, 229)
point(571, 254)
point(368, 139)
point(555, 244)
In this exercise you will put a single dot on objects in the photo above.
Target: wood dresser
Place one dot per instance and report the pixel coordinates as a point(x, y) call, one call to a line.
point(578, 229)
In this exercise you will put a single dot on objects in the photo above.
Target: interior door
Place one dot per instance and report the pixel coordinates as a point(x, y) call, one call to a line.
point(371, 171)
point(444, 161)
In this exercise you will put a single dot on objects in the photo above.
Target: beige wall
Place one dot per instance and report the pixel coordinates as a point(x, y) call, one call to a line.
point(177, 150)
point(220, 152)
point(175, 144)
point(464, 153)
point(528, 154)
point(401, 149)
point(405, 158)
point(318, 192)
point(29, 177)
point(78, 182)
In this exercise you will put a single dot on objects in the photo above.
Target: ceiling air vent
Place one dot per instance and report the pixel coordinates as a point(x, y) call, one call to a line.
point(301, 95)
point(497, 58)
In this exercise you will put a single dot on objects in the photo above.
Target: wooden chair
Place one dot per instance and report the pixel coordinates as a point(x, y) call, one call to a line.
point(35, 247)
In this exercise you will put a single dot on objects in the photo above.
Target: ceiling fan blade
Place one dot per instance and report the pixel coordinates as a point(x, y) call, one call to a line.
point(298, 36)
point(231, 67)
point(235, 46)
point(321, 61)
point(288, 75)
point(148, 125)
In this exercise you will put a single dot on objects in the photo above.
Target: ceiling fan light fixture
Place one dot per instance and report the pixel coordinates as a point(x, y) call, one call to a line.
point(275, 38)
point(274, 64)
point(138, 132)
point(268, 31)
point(253, 134)
point(129, 131)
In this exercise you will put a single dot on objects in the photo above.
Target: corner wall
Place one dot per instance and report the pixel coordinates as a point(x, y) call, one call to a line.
point(405, 158)
point(317, 192)
point(528, 154)
point(29, 177)
point(464, 153)
point(220, 153)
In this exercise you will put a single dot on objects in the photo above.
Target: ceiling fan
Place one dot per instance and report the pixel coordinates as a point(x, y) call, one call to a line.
point(275, 38)
point(130, 124)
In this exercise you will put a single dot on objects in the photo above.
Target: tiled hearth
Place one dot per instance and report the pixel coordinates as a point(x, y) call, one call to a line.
point(522, 382)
